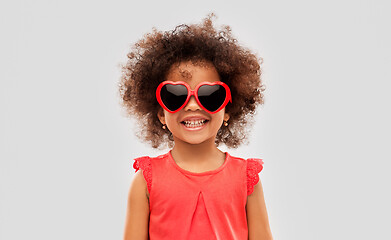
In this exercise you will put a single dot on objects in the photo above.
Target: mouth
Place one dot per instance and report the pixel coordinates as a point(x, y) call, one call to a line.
point(194, 124)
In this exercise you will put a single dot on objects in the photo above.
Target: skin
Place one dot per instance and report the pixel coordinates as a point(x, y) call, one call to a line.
point(189, 144)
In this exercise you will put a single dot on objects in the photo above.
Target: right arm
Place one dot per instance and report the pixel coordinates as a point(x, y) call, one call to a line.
point(137, 215)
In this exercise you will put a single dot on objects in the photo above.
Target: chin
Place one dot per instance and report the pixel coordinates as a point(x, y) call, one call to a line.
point(197, 141)
point(193, 142)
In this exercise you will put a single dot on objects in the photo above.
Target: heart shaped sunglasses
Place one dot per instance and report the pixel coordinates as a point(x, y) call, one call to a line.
point(210, 96)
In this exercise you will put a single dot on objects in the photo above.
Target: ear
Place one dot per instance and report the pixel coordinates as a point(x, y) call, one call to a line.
point(226, 116)
point(160, 115)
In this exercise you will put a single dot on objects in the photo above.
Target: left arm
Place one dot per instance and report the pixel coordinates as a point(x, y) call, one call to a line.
point(257, 218)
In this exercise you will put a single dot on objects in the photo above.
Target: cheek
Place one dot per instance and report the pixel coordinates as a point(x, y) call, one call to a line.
point(221, 115)
point(170, 118)
point(219, 118)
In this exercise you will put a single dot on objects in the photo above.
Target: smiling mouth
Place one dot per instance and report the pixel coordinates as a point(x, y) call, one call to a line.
point(194, 124)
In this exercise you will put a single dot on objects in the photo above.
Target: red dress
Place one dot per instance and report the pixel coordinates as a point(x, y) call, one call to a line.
point(202, 206)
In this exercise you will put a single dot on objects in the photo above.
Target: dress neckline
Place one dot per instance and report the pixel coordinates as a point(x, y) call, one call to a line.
point(171, 159)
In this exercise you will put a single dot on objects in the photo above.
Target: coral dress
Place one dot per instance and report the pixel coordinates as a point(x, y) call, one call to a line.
point(209, 205)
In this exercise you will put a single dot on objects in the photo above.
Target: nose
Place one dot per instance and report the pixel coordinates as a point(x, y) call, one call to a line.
point(192, 105)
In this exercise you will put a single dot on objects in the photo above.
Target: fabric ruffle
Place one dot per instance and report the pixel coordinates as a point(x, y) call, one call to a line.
point(144, 163)
point(254, 166)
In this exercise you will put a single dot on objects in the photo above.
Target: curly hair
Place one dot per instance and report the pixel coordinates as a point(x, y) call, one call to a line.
point(151, 58)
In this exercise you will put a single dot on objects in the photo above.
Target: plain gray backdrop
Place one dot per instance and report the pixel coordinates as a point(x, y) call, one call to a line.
point(323, 132)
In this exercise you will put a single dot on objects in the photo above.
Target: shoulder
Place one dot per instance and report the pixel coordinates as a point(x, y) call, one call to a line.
point(236, 160)
point(145, 162)
point(252, 167)
point(145, 165)
point(249, 162)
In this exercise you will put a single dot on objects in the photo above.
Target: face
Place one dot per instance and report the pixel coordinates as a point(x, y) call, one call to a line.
point(185, 124)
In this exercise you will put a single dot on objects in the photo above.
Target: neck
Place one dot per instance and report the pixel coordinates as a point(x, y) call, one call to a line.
point(191, 153)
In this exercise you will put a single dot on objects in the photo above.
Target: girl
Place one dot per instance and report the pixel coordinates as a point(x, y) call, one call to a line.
point(191, 89)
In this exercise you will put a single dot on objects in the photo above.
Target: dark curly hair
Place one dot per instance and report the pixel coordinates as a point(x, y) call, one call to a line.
point(151, 58)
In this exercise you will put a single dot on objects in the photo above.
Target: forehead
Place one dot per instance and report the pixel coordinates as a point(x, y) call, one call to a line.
point(193, 73)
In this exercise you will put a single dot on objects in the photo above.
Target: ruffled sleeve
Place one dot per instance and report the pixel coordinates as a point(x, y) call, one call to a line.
point(144, 163)
point(254, 166)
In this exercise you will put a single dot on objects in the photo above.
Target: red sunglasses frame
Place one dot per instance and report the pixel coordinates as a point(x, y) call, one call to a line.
point(194, 93)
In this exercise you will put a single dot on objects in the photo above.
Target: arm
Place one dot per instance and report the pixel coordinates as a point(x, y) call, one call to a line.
point(137, 216)
point(257, 219)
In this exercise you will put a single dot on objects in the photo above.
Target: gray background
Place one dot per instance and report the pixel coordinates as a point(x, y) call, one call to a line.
point(67, 148)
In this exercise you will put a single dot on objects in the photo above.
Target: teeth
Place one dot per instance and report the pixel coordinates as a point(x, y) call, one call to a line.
point(194, 123)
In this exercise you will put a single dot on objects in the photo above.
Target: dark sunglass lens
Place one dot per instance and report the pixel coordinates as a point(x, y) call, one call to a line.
point(173, 96)
point(211, 96)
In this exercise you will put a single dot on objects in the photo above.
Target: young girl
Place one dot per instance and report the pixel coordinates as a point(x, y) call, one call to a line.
point(191, 89)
